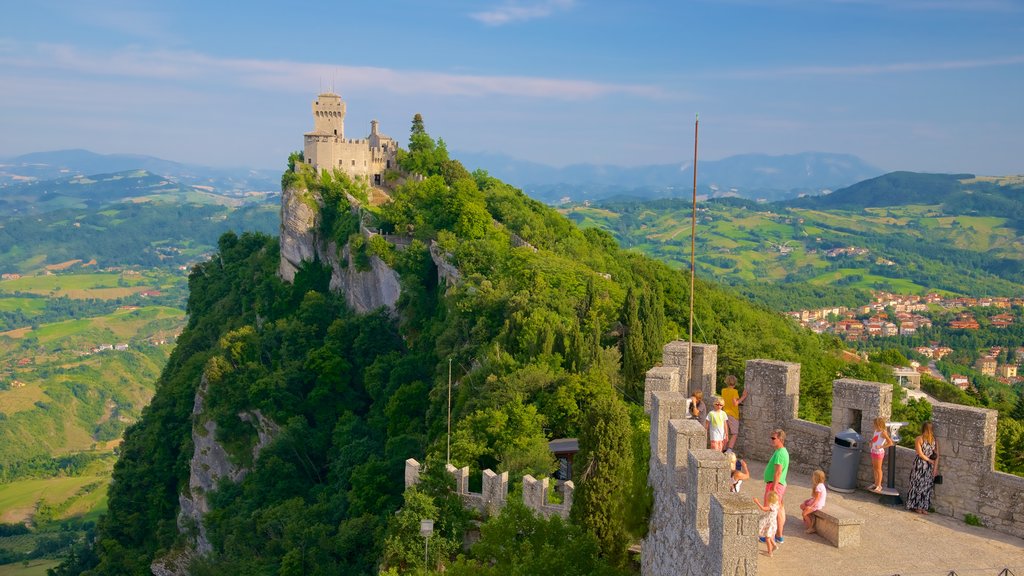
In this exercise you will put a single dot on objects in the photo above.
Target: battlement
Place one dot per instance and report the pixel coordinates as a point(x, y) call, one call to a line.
point(326, 148)
point(494, 491)
point(697, 526)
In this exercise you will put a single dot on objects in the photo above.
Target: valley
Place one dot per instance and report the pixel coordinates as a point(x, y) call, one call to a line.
point(92, 298)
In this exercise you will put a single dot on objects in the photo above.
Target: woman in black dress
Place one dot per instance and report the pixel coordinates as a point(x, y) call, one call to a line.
point(922, 474)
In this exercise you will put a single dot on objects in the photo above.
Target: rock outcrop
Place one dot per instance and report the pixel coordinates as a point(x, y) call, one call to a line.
point(301, 241)
point(209, 465)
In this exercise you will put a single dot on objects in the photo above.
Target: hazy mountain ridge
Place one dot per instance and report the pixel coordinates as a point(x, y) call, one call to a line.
point(58, 164)
point(753, 176)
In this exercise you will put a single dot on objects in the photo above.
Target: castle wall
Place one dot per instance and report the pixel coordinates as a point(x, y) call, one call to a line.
point(326, 148)
point(696, 528)
point(494, 491)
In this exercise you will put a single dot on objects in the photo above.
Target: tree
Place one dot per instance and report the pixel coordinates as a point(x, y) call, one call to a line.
point(605, 458)
point(518, 542)
point(635, 362)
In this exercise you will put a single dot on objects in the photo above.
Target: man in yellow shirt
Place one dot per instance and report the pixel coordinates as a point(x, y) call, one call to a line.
point(732, 400)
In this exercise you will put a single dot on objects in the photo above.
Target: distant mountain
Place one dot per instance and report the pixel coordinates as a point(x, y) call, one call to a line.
point(893, 189)
point(953, 194)
point(66, 163)
point(752, 176)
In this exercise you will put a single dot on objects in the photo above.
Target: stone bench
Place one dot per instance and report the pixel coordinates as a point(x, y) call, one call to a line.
point(838, 525)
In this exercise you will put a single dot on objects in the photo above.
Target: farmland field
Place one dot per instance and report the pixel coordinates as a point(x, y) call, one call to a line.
point(18, 499)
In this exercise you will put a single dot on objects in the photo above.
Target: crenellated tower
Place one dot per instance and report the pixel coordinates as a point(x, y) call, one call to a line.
point(327, 148)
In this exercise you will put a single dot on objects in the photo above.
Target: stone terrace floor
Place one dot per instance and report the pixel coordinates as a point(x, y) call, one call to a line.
point(893, 540)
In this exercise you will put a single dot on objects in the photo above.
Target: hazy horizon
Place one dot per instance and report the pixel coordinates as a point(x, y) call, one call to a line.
point(919, 85)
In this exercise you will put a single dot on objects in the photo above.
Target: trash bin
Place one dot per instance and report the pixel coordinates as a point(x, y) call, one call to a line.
point(842, 474)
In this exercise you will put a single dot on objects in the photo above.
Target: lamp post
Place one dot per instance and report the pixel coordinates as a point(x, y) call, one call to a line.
point(426, 530)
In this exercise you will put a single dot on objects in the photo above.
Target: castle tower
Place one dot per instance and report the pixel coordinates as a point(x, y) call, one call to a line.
point(329, 115)
point(321, 145)
point(326, 148)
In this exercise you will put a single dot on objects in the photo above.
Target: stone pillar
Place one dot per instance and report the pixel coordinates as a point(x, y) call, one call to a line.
point(665, 406)
point(733, 545)
point(535, 493)
point(676, 353)
point(966, 437)
point(461, 476)
point(705, 367)
point(660, 378)
point(856, 404)
point(773, 397)
point(412, 472)
point(568, 489)
point(707, 473)
point(494, 490)
point(683, 436)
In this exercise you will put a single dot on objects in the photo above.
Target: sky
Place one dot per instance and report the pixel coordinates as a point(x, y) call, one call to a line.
point(921, 85)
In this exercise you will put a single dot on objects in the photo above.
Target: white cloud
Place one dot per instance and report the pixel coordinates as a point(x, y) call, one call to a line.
point(515, 11)
point(290, 76)
point(875, 69)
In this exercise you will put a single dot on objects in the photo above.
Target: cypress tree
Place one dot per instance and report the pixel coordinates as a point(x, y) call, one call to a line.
point(634, 353)
point(605, 456)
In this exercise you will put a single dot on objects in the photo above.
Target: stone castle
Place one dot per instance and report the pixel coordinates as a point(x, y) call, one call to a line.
point(698, 527)
point(326, 147)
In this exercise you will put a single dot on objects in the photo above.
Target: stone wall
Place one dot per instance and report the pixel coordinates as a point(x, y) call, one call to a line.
point(698, 528)
point(494, 491)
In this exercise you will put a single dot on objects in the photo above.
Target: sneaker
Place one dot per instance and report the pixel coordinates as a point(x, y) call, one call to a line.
point(761, 539)
point(779, 539)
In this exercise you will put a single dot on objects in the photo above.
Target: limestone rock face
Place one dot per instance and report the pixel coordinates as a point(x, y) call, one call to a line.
point(301, 242)
point(210, 463)
point(365, 290)
point(299, 223)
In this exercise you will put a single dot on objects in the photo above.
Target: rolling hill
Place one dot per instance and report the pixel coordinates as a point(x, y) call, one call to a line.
point(904, 232)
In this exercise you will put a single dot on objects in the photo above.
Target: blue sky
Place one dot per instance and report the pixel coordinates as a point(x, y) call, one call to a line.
point(924, 85)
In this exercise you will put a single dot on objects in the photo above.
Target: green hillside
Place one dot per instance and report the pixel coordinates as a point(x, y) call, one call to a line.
point(780, 254)
point(101, 269)
point(549, 332)
point(132, 218)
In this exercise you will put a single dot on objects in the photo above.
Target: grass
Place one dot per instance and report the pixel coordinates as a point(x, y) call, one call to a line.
point(867, 280)
point(28, 306)
point(98, 285)
point(20, 399)
point(18, 499)
point(33, 568)
point(119, 326)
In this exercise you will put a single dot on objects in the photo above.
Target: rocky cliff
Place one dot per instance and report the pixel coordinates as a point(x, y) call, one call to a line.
point(301, 241)
point(209, 465)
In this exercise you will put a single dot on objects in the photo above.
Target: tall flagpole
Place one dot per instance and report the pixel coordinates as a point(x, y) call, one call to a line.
point(693, 249)
point(449, 458)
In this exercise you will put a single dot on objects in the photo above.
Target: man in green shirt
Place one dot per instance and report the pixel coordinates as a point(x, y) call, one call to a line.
point(775, 477)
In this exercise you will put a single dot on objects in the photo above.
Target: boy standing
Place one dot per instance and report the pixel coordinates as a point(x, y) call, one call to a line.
point(732, 400)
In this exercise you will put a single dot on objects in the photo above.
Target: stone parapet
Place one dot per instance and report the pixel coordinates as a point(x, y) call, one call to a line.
point(773, 395)
point(697, 528)
point(660, 379)
point(665, 406)
point(535, 496)
point(494, 490)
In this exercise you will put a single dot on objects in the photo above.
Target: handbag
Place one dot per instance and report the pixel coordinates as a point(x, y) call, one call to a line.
point(937, 479)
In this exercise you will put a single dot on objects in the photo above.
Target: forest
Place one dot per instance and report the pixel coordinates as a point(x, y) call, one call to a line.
point(548, 335)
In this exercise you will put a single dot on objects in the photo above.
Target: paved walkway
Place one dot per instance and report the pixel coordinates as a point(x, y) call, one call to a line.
point(893, 541)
